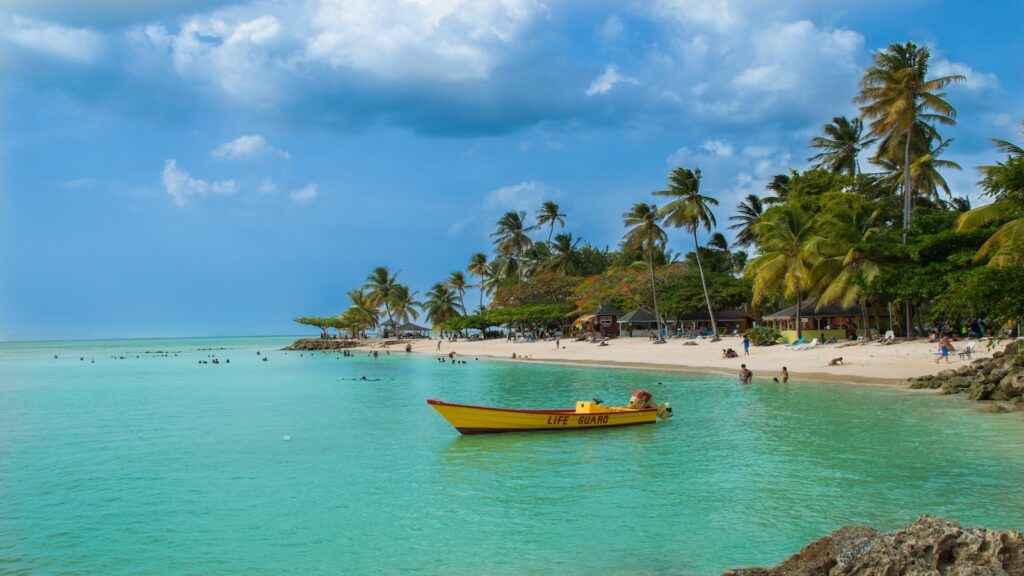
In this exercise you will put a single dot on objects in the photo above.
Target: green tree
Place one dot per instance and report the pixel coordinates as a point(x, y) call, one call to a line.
point(511, 241)
point(478, 267)
point(321, 322)
point(690, 210)
point(363, 314)
point(924, 172)
point(840, 146)
point(379, 285)
point(898, 97)
point(457, 282)
point(644, 233)
point(565, 258)
point(440, 304)
point(549, 215)
point(787, 258)
point(748, 213)
point(404, 303)
point(1004, 183)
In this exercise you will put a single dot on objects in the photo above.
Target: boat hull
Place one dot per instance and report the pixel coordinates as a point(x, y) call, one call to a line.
point(485, 420)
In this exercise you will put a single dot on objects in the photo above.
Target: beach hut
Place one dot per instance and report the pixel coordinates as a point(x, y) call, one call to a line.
point(603, 322)
point(413, 330)
point(729, 321)
point(639, 322)
point(832, 321)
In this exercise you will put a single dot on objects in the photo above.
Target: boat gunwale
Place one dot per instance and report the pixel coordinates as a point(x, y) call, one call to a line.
point(433, 402)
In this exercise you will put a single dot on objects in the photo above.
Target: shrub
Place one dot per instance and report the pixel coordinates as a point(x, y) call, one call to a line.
point(763, 336)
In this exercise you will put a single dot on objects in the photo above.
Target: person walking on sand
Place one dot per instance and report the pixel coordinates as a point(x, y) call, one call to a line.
point(439, 344)
point(558, 342)
point(746, 345)
point(945, 347)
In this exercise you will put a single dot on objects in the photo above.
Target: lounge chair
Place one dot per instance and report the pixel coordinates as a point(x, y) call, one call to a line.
point(796, 344)
point(968, 350)
point(889, 338)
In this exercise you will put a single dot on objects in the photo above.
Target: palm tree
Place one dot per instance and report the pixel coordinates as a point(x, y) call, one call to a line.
point(457, 282)
point(846, 269)
point(1005, 183)
point(564, 255)
point(840, 147)
point(478, 267)
point(491, 277)
point(535, 259)
point(511, 239)
point(549, 215)
point(643, 233)
point(787, 257)
point(691, 210)
point(924, 172)
point(779, 186)
point(440, 304)
point(404, 303)
point(899, 100)
point(380, 283)
point(748, 215)
point(363, 313)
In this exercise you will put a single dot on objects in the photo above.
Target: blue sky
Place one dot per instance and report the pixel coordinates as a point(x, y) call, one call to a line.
point(216, 168)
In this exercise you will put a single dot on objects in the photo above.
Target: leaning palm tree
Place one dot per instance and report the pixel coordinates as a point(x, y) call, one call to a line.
point(404, 303)
point(478, 267)
point(549, 215)
point(491, 278)
point(779, 185)
point(898, 98)
point(787, 258)
point(511, 240)
point(440, 304)
point(748, 213)
point(924, 172)
point(690, 210)
point(845, 269)
point(457, 282)
point(379, 285)
point(840, 146)
point(643, 233)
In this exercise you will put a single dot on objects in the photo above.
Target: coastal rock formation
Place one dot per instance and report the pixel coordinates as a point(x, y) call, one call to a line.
point(321, 344)
point(929, 546)
point(998, 378)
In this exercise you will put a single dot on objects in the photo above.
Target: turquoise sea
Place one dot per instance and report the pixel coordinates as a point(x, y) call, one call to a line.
point(160, 465)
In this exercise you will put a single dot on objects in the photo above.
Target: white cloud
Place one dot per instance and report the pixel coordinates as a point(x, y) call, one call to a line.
point(976, 81)
point(86, 182)
point(246, 147)
point(612, 29)
point(267, 186)
point(181, 186)
point(607, 80)
point(456, 228)
point(79, 45)
point(525, 196)
point(717, 148)
point(304, 195)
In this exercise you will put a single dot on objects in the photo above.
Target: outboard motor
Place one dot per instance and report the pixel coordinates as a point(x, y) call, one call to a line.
point(642, 399)
point(664, 410)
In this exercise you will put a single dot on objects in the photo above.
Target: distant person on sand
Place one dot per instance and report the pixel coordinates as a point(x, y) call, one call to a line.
point(558, 342)
point(945, 347)
point(439, 344)
point(746, 345)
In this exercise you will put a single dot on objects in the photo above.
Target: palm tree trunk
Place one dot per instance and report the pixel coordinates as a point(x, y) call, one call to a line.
point(654, 289)
point(864, 318)
point(704, 284)
point(799, 329)
point(907, 193)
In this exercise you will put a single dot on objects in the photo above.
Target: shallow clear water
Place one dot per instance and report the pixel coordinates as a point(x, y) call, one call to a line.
point(160, 465)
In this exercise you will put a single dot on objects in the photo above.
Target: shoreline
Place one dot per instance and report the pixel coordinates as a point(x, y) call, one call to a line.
point(891, 366)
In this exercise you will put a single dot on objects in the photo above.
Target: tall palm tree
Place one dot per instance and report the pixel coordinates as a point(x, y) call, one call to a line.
point(564, 255)
point(549, 215)
point(787, 257)
point(457, 282)
point(363, 312)
point(535, 259)
point(511, 239)
point(748, 214)
point(478, 267)
point(491, 277)
point(404, 303)
point(440, 304)
point(840, 146)
point(379, 285)
point(846, 269)
point(898, 97)
point(690, 210)
point(779, 186)
point(644, 233)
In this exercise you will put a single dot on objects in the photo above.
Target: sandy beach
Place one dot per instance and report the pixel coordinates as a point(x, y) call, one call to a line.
point(862, 364)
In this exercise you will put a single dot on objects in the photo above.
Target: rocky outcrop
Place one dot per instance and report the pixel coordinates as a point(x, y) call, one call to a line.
point(322, 344)
point(1000, 377)
point(930, 546)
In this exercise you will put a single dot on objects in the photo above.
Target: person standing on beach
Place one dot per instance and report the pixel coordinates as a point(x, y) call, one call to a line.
point(746, 345)
point(785, 375)
point(558, 342)
point(439, 344)
point(945, 347)
point(745, 375)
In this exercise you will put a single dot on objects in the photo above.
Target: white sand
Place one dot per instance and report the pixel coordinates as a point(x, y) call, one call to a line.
point(862, 364)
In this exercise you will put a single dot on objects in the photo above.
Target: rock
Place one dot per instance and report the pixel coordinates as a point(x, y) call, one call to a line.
point(321, 344)
point(997, 354)
point(947, 373)
point(929, 546)
point(998, 378)
point(995, 409)
point(965, 370)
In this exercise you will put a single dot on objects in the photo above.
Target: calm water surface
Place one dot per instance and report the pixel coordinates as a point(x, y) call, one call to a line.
point(160, 465)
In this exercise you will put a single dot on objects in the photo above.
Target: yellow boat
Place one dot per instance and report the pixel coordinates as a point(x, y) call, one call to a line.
point(487, 420)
